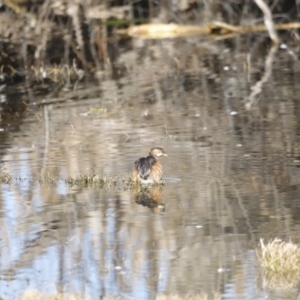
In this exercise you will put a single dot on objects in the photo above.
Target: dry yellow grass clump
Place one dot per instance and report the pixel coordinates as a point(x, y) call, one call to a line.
point(5, 178)
point(201, 296)
point(35, 295)
point(281, 263)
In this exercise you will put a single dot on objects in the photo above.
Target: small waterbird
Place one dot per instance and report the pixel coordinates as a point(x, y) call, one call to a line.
point(148, 169)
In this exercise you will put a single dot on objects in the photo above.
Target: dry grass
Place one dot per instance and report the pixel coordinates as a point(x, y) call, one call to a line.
point(86, 181)
point(93, 180)
point(280, 262)
point(96, 181)
point(35, 295)
point(201, 296)
point(56, 73)
point(5, 178)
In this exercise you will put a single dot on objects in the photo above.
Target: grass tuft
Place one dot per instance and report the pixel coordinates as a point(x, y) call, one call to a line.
point(5, 178)
point(85, 181)
point(96, 181)
point(281, 263)
point(93, 180)
point(201, 296)
point(35, 295)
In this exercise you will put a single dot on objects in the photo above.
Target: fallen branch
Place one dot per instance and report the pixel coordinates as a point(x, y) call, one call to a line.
point(161, 31)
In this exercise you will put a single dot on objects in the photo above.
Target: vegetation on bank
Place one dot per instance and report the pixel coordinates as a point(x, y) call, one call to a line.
point(65, 41)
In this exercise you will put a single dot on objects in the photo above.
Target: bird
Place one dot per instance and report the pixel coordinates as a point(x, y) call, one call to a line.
point(148, 170)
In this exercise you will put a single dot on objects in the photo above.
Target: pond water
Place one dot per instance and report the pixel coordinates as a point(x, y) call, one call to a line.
point(232, 178)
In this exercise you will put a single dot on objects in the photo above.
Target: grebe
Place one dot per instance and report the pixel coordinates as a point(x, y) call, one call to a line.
point(148, 169)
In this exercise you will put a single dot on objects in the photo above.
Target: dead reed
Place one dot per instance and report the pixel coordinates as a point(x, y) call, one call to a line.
point(280, 262)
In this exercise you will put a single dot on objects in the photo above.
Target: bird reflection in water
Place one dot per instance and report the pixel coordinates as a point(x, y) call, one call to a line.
point(150, 196)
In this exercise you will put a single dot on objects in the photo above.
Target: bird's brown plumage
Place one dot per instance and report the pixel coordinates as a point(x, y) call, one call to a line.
point(148, 169)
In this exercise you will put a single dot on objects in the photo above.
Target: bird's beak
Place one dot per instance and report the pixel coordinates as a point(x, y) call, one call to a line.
point(165, 154)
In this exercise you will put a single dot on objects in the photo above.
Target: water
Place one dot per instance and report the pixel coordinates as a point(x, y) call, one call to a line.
point(232, 177)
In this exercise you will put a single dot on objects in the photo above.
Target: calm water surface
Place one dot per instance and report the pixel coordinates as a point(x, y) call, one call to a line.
point(232, 177)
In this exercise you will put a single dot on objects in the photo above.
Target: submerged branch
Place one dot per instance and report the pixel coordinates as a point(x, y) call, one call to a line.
point(268, 20)
point(257, 88)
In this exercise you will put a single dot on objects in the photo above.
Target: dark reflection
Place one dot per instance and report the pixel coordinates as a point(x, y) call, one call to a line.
point(150, 196)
